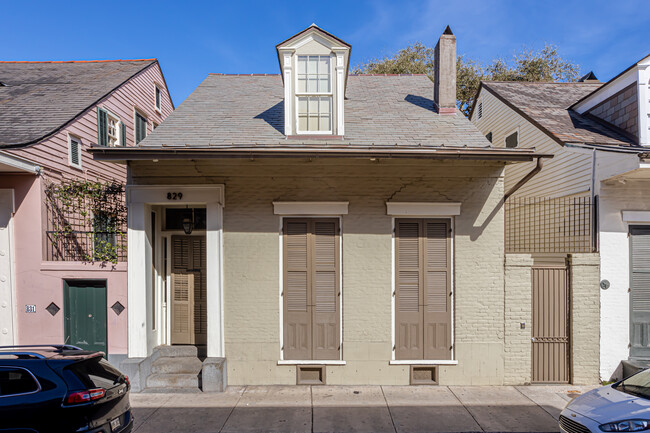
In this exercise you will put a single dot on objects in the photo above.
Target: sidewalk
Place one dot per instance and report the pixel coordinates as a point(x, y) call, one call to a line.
point(356, 409)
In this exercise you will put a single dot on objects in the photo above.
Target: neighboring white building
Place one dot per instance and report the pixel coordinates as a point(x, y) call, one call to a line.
point(599, 134)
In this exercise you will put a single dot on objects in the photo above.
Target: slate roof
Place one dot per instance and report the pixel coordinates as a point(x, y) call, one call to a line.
point(546, 105)
point(39, 98)
point(243, 111)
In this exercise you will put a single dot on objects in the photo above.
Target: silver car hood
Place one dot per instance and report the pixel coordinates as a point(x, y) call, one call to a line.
point(606, 404)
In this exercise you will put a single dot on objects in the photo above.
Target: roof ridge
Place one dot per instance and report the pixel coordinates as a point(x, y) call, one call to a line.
point(77, 61)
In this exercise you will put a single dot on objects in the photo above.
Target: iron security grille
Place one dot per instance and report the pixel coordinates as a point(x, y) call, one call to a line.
point(86, 222)
point(550, 225)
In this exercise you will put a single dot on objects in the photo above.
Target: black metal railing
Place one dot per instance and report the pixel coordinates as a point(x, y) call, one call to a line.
point(550, 225)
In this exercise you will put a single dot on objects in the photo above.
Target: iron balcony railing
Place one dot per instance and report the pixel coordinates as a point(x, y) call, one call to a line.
point(551, 225)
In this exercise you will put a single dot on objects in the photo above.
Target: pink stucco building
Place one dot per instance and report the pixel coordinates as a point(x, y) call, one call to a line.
point(50, 114)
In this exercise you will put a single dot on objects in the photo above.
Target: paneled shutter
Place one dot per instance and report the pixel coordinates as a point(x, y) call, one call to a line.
point(437, 285)
point(640, 292)
point(183, 289)
point(408, 299)
point(325, 284)
point(423, 289)
point(102, 127)
point(297, 313)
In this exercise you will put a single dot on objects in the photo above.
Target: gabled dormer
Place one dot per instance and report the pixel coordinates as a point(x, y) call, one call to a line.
point(314, 67)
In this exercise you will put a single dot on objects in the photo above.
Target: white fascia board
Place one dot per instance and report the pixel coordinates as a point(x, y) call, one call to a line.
point(608, 90)
point(310, 207)
point(19, 163)
point(422, 209)
point(636, 216)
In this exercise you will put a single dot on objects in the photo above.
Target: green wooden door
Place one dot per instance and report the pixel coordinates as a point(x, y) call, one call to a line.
point(85, 314)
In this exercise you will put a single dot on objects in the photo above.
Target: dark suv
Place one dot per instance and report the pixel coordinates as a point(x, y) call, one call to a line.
point(61, 389)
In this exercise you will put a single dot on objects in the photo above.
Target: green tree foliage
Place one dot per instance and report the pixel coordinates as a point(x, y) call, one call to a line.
point(526, 65)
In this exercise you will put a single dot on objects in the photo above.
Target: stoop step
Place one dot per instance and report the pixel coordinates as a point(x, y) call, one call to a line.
point(177, 351)
point(173, 380)
point(176, 365)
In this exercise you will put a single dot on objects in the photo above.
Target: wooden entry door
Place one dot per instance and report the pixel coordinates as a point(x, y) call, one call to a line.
point(550, 334)
point(640, 292)
point(84, 306)
point(188, 290)
point(423, 289)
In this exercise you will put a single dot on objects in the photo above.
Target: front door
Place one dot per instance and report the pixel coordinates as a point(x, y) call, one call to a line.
point(550, 334)
point(188, 290)
point(85, 314)
point(640, 292)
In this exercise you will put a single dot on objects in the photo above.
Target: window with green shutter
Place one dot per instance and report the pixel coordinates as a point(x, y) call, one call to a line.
point(102, 129)
point(140, 127)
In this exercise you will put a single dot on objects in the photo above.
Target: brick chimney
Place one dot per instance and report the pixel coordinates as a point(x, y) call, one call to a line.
point(444, 90)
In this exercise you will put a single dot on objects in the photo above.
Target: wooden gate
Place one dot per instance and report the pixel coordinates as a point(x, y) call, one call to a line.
point(550, 333)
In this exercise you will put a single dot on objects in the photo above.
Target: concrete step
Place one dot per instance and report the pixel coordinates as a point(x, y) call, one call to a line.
point(176, 351)
point(173, 380)
point(179, 364)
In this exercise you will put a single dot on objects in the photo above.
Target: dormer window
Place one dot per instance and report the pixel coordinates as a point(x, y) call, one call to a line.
point(314, 94)
point(314, 67)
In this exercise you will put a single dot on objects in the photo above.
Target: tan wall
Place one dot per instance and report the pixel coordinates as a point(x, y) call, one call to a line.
point(566, 174)
point(252, 262)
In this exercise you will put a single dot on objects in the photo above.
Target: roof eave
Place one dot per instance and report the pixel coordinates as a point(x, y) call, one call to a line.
point(133, 154)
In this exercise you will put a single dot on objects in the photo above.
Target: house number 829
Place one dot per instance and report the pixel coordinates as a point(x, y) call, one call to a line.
point(174, 195)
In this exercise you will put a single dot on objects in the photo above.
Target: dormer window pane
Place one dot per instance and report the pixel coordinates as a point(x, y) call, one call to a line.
point(314, 74)
point(314, 113)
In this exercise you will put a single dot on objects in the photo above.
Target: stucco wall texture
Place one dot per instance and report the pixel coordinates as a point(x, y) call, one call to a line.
point(252, 270)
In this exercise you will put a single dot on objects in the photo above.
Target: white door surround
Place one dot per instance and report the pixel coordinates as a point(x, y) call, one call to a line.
point(7, 291)
point(140, 199)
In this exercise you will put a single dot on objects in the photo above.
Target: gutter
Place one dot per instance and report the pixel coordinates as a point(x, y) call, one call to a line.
point(107, 154)
point(529, 176)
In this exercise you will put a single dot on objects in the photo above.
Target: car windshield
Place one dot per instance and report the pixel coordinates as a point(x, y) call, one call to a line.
point(638, 385)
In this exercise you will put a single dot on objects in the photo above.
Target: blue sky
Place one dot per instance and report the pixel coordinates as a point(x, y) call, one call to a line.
point(192, 38)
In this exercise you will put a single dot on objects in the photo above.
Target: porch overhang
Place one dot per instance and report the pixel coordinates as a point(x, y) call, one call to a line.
point(12, 164)
point(125, 154)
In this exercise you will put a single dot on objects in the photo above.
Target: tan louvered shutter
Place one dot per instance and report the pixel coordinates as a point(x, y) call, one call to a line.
point(325, 284)
point(297, 313)
point(182, 292)
point(437, 284)
point(408, 296)
point(200, 293)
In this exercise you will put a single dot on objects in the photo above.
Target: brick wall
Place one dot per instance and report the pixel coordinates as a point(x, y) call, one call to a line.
point(585, 329)
point(518, 292)
point(620, 110)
